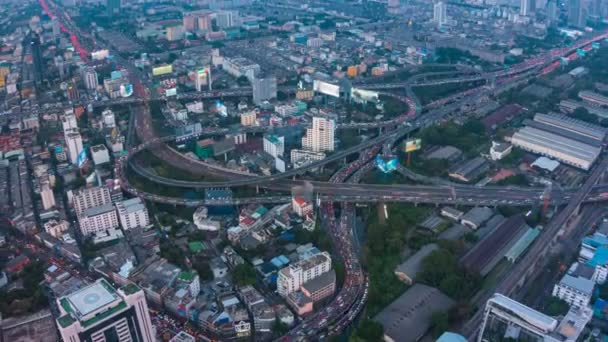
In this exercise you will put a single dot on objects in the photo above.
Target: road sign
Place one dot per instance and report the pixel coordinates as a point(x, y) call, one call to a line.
point(412, 145)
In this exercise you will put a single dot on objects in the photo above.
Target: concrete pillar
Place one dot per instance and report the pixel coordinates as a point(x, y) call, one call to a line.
point(381, 214)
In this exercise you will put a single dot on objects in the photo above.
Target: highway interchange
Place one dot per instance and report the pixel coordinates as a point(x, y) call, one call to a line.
point(351, 297)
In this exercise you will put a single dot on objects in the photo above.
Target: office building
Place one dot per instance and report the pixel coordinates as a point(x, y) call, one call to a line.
point(37, 61)
point(440, 13)
point(113, 8)
point(133, 213)
point(264, 88)
point(577, 13)
point(526, 7)
point(99, 312)
point(73, 140)
point(552, 10)
point(100, 154)
point(274, 145)
point(574, 290)
point(227, 19)
point(204, 22)
point(292, 277)
point(320, 138)
point(48, 198)
point(91, 81)
point(83, 199)
point(570, 141)
point(98, 219)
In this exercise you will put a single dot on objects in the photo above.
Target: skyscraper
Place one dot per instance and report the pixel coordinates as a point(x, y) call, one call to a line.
point(264, 88)
point(113, 7)
point(552, 12)
point(99, 312)
point(527, 7)
point(320, 137)
point(439, 13)
point(74, 142)
point(577, 14)
point(90, 78)
point(34, 43)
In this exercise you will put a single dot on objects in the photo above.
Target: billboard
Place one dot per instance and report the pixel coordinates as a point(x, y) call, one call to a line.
point(100, 55)
point(362, 95)
point(82, 158)
point(170, 92)
point(162, 70)
point(326, 88)
point(386, 164)
point(126, 90)
point(413, 145)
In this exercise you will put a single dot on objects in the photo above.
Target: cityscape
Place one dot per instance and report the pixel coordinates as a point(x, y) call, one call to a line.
point(344, 171)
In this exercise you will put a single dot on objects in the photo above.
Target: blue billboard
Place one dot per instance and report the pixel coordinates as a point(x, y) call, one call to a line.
point(82, 158)
point(386, 164)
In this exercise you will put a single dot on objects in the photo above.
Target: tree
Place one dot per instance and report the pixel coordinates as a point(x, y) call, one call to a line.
point(440, 323)
point(279, 327)
point(581, 113)
point(556, 307)
point(244, 275)
point(369, 331)
point(242, 80)
point(203, 269)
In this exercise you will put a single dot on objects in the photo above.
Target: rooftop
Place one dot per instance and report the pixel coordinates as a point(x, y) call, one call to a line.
point(102, 209)
point(408, 317)
point(90, 299)
point(320, 282)
point(133, 205)
point(578, 283)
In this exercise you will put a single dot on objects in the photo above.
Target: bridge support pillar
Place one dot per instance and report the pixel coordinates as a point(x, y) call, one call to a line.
point(382, 212)
point(257, 189)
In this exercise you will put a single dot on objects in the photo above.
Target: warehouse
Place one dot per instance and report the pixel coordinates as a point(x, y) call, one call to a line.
point(570, 141)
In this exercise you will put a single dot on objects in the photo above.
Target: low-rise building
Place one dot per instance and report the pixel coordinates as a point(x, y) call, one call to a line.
point(100, 154)
point(320, 287)
point(406, 271)
point(576, 291)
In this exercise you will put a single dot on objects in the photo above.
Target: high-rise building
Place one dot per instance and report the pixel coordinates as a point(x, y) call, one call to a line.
point(48, 198)
point(74, 142)
point(292, 277)
point(552, 10)
point(204, 22)
point(264, 88)
point(90, 197)
point(72, 92)
point(99, 312)
point(69, 122)
point(113, 7)
point(132, 213)
point(90, 78)
point(37, 60)
point(98, 219)
point(577, 14)
point(274, 145)
point(55, 27)
point(320, 137)
point(527, 7)
point(227, 19)
point(440, 16)
point(189, 22)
